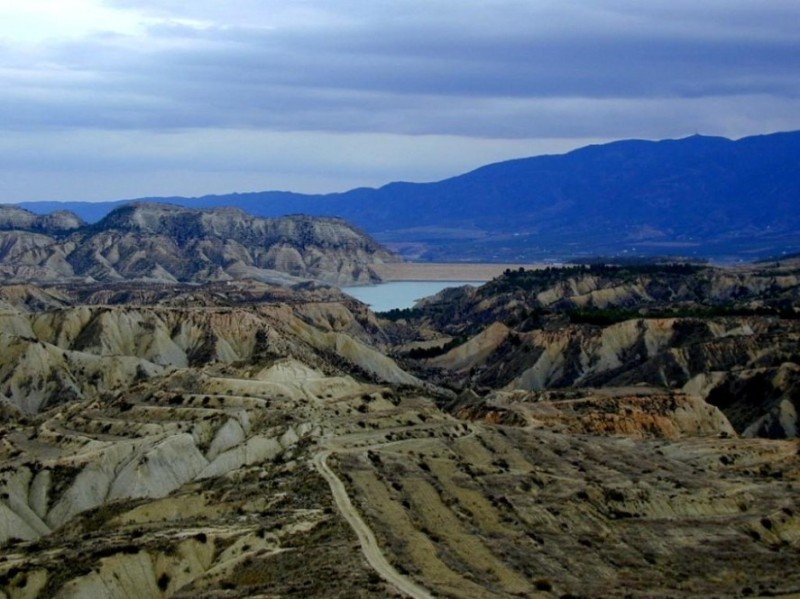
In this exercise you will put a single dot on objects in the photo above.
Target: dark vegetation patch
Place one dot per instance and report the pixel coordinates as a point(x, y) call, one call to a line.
point(540, 279)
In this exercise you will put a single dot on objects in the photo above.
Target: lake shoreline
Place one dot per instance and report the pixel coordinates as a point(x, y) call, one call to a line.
point(447, 271)
point(398, 295)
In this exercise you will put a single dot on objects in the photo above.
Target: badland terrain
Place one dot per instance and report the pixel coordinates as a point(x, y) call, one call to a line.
point(213, 420)
point(159, 242)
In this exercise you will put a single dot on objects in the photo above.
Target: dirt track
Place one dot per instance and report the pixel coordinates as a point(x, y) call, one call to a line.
point(369, 545)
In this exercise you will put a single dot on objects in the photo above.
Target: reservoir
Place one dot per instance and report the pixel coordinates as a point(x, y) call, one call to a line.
point(401, 294)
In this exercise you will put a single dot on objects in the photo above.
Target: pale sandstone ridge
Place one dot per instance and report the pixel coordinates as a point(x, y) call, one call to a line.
point(728, 336)
point(159, 242)
point(582, 355)
point(169, 442)
point(81, 352)
point(474, 351)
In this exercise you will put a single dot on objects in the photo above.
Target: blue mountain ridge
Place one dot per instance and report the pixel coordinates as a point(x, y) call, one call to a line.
point(698, 197)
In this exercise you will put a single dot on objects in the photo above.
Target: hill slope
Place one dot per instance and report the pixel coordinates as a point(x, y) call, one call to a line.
point(160, 242)
point(730, 336)
point(249, 440)
point(704, 196)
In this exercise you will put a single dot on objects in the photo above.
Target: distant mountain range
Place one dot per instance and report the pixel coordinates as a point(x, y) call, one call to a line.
point(697, 197)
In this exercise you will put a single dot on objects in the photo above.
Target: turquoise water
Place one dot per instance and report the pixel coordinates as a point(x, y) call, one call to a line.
point(401, 294)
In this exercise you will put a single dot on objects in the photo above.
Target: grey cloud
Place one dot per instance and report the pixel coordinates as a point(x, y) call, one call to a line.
point(488, 69)
point(319, 96)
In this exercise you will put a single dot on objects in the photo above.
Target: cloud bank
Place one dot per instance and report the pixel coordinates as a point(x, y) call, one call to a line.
point(319, 96)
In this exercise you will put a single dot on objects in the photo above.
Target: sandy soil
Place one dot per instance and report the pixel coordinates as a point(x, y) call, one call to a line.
point(441, 271)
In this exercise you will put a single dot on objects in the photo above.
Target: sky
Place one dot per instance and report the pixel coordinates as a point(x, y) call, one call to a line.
point(113, 99)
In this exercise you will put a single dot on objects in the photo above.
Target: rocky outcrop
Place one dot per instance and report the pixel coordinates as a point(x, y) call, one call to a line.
point(635, 412)
point(761, 401)
point(158, 242)
point(746, 367)
point(728, 336)
point(76, 352)
point(629, 412)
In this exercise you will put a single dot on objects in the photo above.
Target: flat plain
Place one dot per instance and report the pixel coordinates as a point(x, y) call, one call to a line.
point(447, 271)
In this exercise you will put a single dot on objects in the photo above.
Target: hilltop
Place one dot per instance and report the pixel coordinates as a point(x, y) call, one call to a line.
point(161, 242)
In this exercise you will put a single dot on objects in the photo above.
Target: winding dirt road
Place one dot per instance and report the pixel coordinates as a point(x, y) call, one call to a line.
point(369, 545)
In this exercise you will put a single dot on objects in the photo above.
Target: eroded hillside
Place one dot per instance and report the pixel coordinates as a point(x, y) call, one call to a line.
point(159, 242)
point(729, 336)
point(240, 439)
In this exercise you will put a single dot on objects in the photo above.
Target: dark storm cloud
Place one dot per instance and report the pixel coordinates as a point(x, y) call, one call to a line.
point(495, 69)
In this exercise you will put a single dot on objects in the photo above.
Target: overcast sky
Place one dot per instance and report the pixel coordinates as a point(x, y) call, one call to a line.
point(110, 99)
